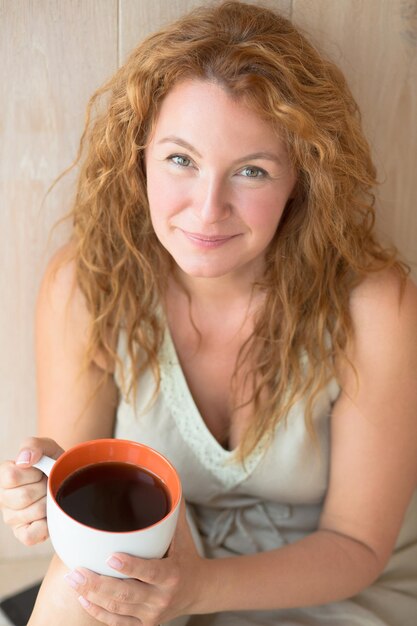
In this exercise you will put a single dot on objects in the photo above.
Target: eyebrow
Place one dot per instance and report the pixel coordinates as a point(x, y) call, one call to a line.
point(270, 156)
point(180, 142)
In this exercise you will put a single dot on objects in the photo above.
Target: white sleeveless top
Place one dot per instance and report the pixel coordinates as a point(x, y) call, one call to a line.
point(273, 499)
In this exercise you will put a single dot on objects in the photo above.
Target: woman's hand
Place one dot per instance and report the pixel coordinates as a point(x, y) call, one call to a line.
point(23, 491)
point(156, 591)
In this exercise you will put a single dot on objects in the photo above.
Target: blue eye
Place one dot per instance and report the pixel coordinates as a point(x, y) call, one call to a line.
point(253, 172)
point(180, 160)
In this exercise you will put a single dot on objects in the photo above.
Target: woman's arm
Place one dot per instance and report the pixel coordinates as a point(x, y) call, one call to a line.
point(75, 403)
point(373, 470)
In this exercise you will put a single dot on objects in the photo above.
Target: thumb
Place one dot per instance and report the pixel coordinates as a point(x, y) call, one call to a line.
point(34, 448)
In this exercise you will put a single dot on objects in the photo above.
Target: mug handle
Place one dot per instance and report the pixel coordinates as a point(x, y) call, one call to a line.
point(45, 464)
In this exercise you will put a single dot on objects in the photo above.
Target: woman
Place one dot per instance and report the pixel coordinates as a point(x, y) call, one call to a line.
point(224, 300)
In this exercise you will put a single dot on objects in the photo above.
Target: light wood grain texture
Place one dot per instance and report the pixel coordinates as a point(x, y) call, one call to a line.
point(53, 55)
point(375, 43)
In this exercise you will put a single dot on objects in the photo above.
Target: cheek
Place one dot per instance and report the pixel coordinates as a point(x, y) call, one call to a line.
point(160, 199)
point(156, 206)
point(263, 211)
point(165, 196)
point(153, 183)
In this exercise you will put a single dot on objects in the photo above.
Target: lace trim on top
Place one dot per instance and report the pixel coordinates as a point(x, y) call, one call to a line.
point(206, 448)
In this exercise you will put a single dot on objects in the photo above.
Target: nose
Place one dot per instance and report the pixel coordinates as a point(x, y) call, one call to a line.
point(213, 201)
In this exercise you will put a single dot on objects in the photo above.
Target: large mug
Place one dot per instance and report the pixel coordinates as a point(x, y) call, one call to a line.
point(80, 545)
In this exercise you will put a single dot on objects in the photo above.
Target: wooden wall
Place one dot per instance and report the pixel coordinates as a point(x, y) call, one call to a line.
point(56, 52)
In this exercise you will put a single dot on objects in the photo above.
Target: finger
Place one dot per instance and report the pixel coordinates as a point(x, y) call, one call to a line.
point(150, 571)
point(106, 617)
point(34, 447)
point(22, 497)
point(114, 596)
point(32, 513)
point(32, 534)
point(11, 475)
point(98, 589)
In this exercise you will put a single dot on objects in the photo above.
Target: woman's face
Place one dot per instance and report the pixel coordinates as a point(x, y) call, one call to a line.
point(218, 181)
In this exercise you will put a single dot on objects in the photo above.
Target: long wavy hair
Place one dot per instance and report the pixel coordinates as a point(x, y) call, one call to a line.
point(324, 245)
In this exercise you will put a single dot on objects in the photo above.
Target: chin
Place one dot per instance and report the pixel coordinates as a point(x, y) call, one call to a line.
point(203, 273)
point(204, 270)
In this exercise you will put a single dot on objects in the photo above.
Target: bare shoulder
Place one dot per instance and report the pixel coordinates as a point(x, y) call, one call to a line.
point(384, 312)
point(59, 291)
point(62, 308)
point(383, 349)
point(384, 346)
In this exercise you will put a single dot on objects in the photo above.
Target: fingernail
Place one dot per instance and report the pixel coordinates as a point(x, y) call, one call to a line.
point(23, 458)
point(84, 602)
point(74, 579)
point(114, 562)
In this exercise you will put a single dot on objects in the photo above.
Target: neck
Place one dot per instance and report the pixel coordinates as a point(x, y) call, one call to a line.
point(219, 309)
point(223, 292)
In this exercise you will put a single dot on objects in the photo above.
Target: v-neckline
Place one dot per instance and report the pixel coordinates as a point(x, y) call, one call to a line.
point(192, 426)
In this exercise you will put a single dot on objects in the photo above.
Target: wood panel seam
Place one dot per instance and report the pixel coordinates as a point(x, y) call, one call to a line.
point(118, 36)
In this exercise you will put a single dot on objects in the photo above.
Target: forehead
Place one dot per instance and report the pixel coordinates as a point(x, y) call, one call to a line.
point(206, 110)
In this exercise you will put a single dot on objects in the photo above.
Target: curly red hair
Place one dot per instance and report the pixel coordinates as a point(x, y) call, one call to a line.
point(324, 245)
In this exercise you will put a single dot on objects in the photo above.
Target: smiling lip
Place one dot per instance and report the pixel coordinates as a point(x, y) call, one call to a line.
point(205, 241)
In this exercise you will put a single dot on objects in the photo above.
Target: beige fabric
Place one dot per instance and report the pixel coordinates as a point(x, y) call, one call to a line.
point(274, 499)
